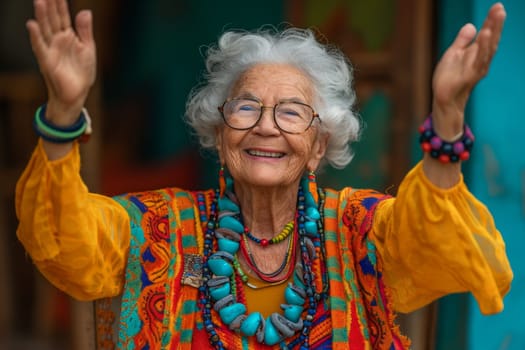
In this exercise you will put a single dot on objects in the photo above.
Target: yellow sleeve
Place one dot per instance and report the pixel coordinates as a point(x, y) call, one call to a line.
point(78, 240)
point(437, 241)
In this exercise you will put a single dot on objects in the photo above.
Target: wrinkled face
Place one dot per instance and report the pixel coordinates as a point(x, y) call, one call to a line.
point(264, 155)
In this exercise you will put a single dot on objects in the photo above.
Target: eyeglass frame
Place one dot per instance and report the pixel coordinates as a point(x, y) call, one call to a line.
point(274, 107)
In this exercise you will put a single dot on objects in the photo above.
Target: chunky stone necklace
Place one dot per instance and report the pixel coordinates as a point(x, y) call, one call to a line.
point(218, 291)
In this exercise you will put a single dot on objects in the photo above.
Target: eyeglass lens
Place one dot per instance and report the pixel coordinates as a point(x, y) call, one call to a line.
point(289, 116)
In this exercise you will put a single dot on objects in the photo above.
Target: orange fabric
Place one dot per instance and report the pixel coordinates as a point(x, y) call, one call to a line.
point(429, 252)
point(78, 240)
point(433, 241)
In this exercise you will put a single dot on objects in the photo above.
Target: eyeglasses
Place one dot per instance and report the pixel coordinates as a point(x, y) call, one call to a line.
point(245, 113)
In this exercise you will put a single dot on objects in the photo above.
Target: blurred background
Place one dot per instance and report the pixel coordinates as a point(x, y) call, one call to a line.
point(150, 56)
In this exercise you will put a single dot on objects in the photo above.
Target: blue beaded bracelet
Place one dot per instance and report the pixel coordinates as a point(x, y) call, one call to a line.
point(81, 129)
point(444, 151)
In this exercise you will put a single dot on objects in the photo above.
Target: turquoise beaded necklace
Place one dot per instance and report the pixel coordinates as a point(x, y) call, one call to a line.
point(219, 268)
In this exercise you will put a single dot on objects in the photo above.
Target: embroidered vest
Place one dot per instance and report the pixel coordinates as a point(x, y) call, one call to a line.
point(160, 309)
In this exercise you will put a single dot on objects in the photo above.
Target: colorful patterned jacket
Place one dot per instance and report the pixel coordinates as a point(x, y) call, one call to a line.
point(160, 308)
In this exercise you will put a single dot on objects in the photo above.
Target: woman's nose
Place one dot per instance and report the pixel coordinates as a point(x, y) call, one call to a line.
point(267, 121)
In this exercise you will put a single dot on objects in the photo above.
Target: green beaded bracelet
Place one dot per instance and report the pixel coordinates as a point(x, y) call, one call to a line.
point(57, 134)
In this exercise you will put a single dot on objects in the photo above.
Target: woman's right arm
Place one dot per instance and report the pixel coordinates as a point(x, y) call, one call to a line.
point(78, 240)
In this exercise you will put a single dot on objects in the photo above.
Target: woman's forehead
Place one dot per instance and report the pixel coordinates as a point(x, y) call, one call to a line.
point(271, 79)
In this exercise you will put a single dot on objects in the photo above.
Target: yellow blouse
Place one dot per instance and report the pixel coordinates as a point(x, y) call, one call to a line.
point(432, 241)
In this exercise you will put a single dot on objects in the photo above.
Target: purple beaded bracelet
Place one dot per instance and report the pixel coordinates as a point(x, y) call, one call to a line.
point(444, 151)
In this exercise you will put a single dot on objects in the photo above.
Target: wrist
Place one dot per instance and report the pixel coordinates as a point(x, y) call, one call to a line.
point(448, 122)
point(62, 115)
point(440, 174)
point(55, 151)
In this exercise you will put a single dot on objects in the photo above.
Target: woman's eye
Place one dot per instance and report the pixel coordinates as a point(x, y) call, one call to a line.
point(247, 108)
point(289, 112)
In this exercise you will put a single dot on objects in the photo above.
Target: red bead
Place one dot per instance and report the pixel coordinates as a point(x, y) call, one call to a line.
point(421, 129)
point(264, 242)
point(464, 155)
point(444, 158)
point(426, 146)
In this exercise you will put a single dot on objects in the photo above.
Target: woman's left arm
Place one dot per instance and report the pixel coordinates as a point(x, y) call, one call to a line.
point(436, 238)
point(462, 66)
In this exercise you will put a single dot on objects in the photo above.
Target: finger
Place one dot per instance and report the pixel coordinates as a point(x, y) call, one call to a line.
point(84, 26)
point(496, 9)
point(465, 36)
point(37, 40)
point(490, 35)
point(43, 20)
point(498, 15)
point(484, 53)
point(54, 18)
point(494, 22)
point(63, 12)
point(493, 14)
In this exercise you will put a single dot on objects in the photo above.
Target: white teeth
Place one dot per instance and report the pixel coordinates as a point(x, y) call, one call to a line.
point(265, 154)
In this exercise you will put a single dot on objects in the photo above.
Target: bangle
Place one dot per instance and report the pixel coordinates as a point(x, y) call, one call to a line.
point(57, 134)
point(445, 151)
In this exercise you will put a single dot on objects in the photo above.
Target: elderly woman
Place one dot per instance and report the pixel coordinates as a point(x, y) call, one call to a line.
point(268, 259)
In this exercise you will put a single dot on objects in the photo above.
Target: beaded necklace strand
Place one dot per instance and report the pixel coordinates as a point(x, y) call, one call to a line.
point(322, 244)
point(273, 276)
point(246, 281)
point(287, 230)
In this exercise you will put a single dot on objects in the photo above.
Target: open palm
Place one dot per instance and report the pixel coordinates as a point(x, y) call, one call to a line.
point(464, 64)
point(67, 58)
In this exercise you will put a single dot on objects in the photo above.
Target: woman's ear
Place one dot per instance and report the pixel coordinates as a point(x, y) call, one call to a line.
point(318, 151)
point(218, 143)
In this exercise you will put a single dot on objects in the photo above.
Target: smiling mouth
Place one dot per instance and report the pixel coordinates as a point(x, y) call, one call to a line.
point(265, 154)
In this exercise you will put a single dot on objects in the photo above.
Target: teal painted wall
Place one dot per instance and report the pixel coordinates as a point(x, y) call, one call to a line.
point(498, 172)
point(495, 174)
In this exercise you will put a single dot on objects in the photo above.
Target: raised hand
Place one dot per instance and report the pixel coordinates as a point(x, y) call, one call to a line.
point(462, 66)
point(66, 57)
